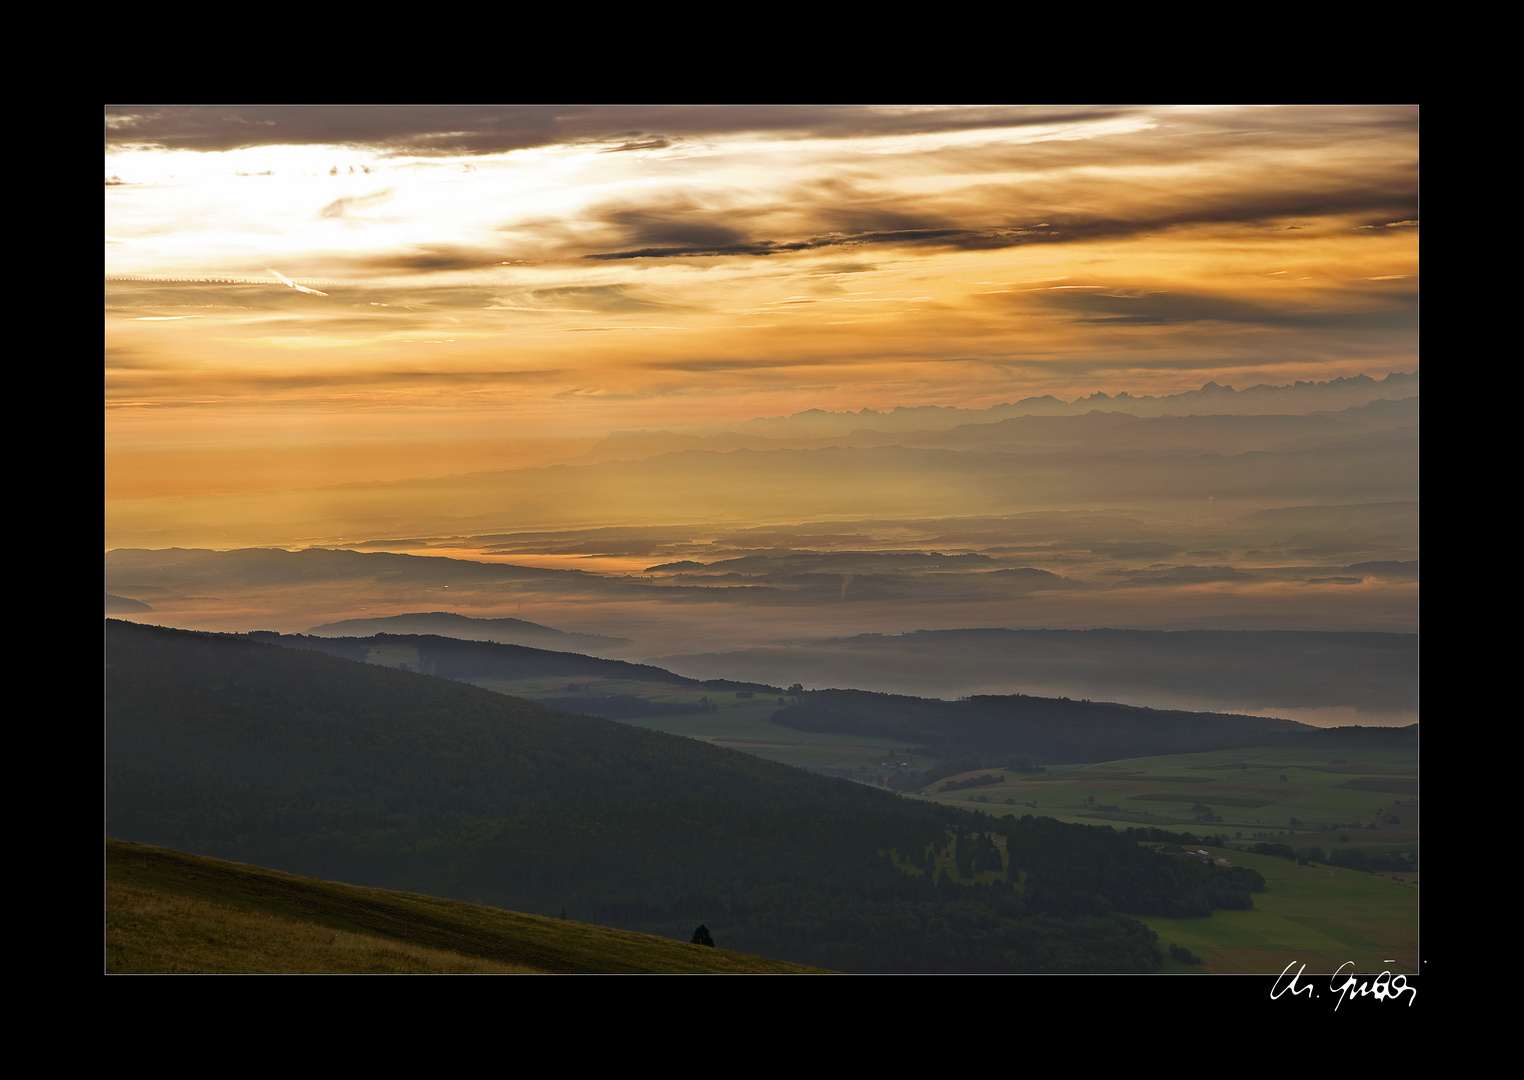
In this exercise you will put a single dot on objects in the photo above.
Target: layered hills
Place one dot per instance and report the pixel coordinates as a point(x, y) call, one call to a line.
point(1299, 398)
point(317, 765)
point(988, 727)
point(1370, 674)
point(469, 661)
point(454, 624)
point(1127, 425)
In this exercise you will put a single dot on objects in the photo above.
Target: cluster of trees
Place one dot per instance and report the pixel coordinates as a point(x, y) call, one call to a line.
point(1100, 868)
point(972, 782)
point(975, 853)
point(1278, 851)
point(1184, 955)
point(917, 781)
point(1387, 861)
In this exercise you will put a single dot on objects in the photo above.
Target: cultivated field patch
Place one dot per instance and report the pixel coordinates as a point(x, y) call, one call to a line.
point(1320, 916)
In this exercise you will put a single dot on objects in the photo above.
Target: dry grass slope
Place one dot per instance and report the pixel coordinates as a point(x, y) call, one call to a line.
point(168, 912)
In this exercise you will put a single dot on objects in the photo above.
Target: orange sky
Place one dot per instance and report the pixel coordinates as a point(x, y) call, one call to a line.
point(308, 296)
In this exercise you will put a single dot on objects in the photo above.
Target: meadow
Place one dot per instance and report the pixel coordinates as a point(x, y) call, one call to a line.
point(1316, 915)
point(1303, 797)
point(741, 720)
point(173, 913)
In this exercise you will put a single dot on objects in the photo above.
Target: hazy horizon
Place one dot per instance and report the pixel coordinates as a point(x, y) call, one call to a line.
point(735, 378)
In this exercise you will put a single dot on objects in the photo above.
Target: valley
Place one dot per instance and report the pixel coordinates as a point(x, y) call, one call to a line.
point(377, 795)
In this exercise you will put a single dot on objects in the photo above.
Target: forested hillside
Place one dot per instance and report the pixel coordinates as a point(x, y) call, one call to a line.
point(453, 658)
point(316, 765)
point(1042, 729)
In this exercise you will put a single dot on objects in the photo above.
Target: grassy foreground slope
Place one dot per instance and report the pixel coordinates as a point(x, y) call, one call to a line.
point(168, 912)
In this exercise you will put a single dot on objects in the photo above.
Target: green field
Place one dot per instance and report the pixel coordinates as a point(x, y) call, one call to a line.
point(1316, 915)
point(1256, 794)
point(737, 722)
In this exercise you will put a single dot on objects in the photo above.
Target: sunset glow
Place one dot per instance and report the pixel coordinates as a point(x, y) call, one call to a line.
point(543, 275)
point(1155, 366)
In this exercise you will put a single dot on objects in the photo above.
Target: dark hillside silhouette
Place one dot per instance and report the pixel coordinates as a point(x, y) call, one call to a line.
point(224, 746)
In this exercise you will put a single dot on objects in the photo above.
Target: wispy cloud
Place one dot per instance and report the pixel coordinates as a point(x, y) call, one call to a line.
point(299, 288)
point(715, 263)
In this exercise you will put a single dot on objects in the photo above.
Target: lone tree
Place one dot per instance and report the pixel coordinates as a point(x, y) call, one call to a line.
point(701, 936)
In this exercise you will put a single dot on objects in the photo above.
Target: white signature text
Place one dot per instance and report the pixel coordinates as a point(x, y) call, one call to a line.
point(1345, 984)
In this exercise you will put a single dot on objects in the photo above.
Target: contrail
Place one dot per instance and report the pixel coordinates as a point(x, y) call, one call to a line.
point(294, 285)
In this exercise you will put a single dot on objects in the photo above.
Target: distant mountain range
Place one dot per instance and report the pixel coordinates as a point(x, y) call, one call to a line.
point(1217, 451)
point(1216, 670)
point(450, 624)
point(988, 727)
point(919, 425)
point(466, 660)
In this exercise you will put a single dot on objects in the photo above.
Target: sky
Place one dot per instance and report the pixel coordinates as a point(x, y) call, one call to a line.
point(538, 341)
point(306, 296)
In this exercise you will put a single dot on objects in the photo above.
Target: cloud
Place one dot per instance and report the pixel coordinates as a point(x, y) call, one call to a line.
point(1186, 575)
point(1160, 308)
point(647, 144)
point(748, 364)
point(299, 288)
point(844, 221)
point(606, 299)
point(941, 237)
point(717, 263)
point(426, 258)
point(348, 204)
point(450, 129)
point(689, 226)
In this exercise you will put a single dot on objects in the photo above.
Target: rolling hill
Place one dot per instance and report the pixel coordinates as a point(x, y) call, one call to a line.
point(169, 912)
point(320, 766)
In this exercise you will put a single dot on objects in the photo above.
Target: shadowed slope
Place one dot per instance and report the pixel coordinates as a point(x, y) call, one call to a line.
point(352, 772)
point(171, 912)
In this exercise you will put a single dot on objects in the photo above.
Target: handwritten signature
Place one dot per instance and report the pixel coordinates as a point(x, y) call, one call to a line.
point(1381, 987)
